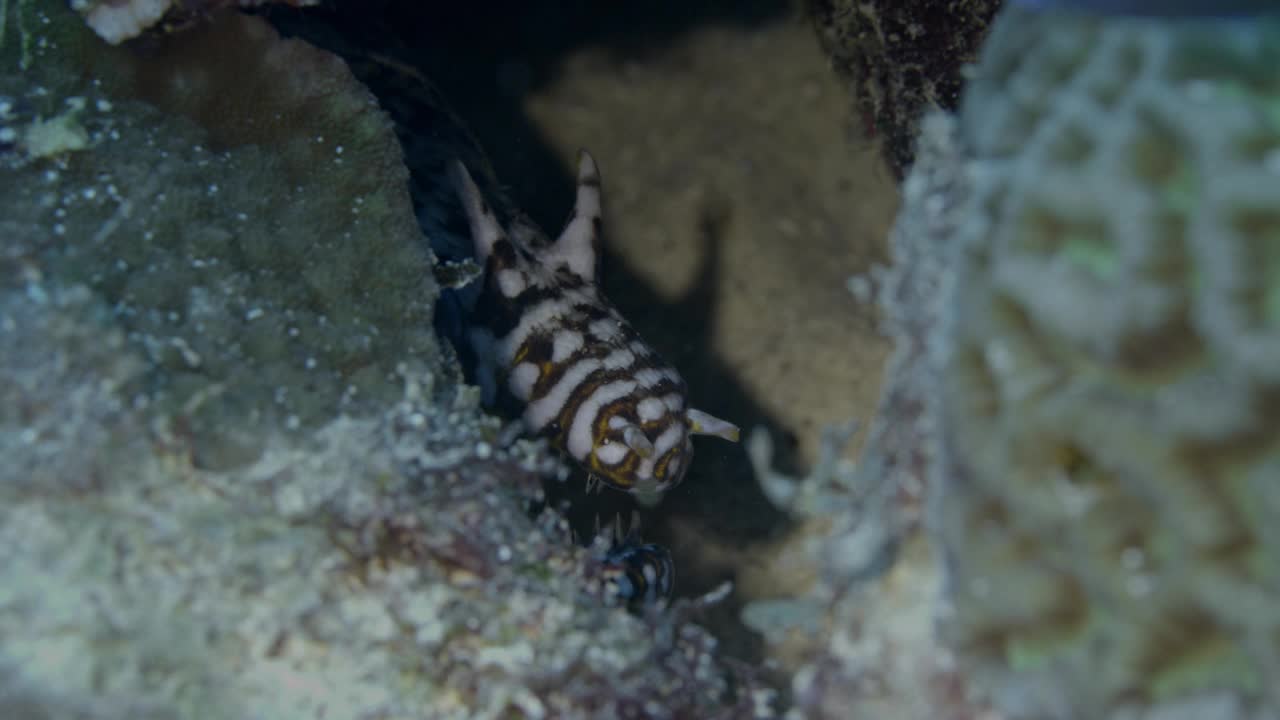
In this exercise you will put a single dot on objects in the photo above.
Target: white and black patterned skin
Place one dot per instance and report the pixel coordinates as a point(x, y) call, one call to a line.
point(638, 574)
point(543, 330)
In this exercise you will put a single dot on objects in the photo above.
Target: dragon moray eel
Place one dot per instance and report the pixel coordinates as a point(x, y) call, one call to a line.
point(542, 328)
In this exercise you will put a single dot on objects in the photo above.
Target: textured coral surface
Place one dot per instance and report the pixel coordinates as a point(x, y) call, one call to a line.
point(294, 280)
point(383, 567)
point(240, 478)
point(902, 58)
point(862, 642)
point(1111, 367)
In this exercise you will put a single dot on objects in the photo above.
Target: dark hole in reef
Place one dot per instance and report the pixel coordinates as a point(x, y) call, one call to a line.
point(484, 58)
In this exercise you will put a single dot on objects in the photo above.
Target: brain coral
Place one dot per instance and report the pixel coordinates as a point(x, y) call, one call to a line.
point(1111, 369)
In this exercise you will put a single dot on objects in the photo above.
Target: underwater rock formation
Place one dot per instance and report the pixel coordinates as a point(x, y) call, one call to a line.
point(241, 477)
point(1109, 406)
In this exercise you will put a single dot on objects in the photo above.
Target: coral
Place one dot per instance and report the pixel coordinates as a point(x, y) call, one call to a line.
point(901, 59)
point(267, 260)
point(861, 641)
point(1109, 407)
point(241, 479)
point(384, 566)
point(1080, 398)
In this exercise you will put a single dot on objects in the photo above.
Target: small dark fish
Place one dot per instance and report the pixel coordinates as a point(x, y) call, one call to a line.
point(639, 574)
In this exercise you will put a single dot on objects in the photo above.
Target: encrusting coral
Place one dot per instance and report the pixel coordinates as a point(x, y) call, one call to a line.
point(290, 282)
point(863, 642)
point(385, 566)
